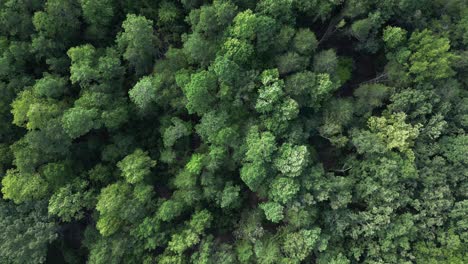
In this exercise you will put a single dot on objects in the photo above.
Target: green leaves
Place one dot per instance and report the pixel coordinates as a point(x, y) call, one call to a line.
point(394, 131)
point(286, 131)
point(273, 211)
point(144, 92)
point(430, 57)
point(190, 235)
point(299, 245)
point(98, 15)
point(78, 121)
point(136, 166)
point(33, 112)
point(22, 187)
point(253, 174)
point(138, 43)
point(387, 133)
point(82, 70)
point(200, 92)
point(238, 51)
point(270, 94)
point(292, 160)
point(69, 202)
point(230, 195)
point(26, 233)
point(50, 86)
point(394, 36)
point(305, 42)
point(425, 57)
point(283, 189)
point(260, 147)
point(120, 204)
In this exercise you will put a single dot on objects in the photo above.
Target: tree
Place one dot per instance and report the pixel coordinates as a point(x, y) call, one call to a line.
point(425, 56)
point(58, 26)
point(50, 86)
point(138, 43)
point(305, 42)
point(82, 70)
point(39, 147)
point(280, 10)
point(283, 189)
point(230, 195)
point(200, 92)
point(119, 204)
point(273, 211)
point(430, 56)
point(69, 202)
point(326, 61)
point(144, 92)
point(394, 36)
point(136, 166)
point(78, 121)
point(26, 233)
point(299, 245)
point(99, 16)
point(291, 62)
point(238, 51)
point(394, 132)
point(22, 187)
point(371, 96)
point(292, 160)
point(268, 251)
point(190, 235)
point(16, 18)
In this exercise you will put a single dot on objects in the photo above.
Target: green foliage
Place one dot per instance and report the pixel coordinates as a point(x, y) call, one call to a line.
point(119, 204)
point(21, 187)
point(261, 146)
point(169, 210)
point(144, 92)
point(430, 57)
point(394, 36)
point(393, 132)
point(371, 96)
point(69, 202)
point(326, 61)
point(136, 166)
point(57, 173)
point(267, 251)
point(450, 251)
point(175, 132)
point(98, 15)
point(299, 245)
point(425, 56)
point(82, 59)
point(57, 27)
point(78, 121)
point(200, 92)
point(26, 233)
point(50, 86)
point(190, 235)
point(138, 43)
point(286, 131)
point(273, 211)
point(292, 160)
point(305, 42)
point(283, 189)
point(230, 195)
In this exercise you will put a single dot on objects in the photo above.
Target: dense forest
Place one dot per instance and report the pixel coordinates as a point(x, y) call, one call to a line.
point(234, 131)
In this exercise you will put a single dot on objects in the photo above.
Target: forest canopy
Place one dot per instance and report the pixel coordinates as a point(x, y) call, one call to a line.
point(234, 131)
